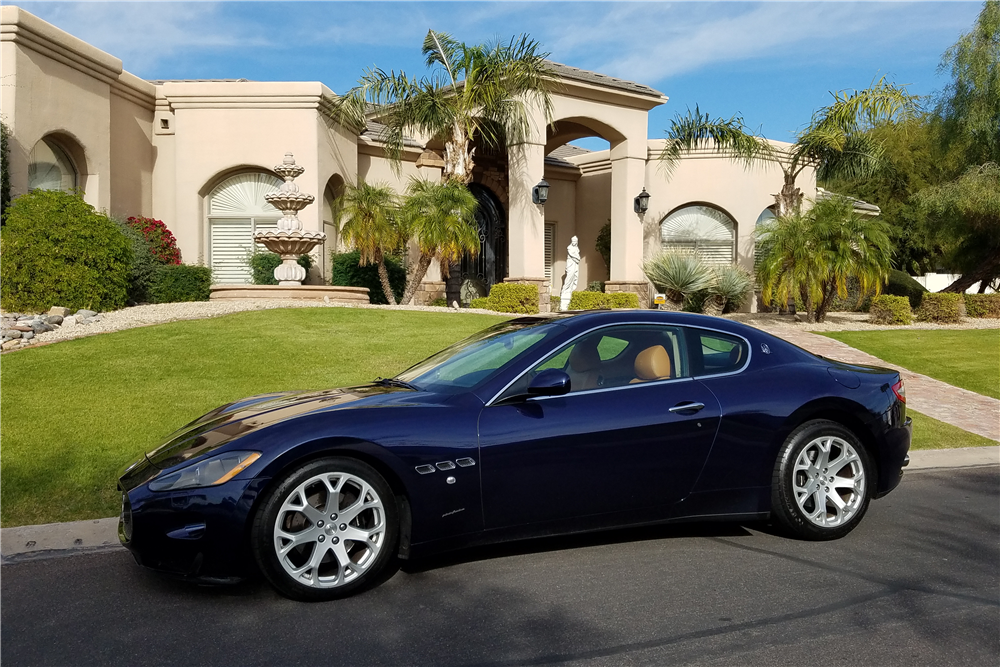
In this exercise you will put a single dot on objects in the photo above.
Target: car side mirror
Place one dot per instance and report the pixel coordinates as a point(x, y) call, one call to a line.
point(550, 382)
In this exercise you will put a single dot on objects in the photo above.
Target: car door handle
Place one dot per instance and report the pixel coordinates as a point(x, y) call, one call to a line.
point(687, 407)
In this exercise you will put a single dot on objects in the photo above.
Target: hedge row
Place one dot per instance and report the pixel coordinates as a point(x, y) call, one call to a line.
point(982, 305)
point(346, 272)
point(597, 300)
point(941, 307)
point(510, 298)
point(889, 309)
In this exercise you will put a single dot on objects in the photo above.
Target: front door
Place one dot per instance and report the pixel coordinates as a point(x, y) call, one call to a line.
point(489, 267)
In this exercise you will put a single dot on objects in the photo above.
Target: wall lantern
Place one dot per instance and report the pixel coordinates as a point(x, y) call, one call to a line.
point(642, 202)
point(540, 193)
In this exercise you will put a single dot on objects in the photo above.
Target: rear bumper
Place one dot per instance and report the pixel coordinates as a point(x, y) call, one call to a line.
point(893, 457)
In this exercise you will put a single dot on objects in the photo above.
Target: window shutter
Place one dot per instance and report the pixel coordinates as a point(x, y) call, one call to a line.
point(709, 233)
point(230, 243)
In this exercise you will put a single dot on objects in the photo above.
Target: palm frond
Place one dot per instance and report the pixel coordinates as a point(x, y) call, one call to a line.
point(440, 48)
point(696, 130)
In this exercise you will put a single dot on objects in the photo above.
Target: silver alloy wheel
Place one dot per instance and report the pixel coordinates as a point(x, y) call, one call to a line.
point(329, 530)
point(829, 482)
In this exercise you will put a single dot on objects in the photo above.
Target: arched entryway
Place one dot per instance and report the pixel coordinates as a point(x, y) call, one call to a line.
point(489, 267)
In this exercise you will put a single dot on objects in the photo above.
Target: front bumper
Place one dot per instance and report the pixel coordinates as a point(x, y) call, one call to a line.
point(200, 533)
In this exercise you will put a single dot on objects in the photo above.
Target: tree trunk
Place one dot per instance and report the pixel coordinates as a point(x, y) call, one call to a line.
point(458, 156)
point(418, 274)
point(828, 293)
point(806, 300)
point(789, 200)
point(986, 272)
point(383, 276)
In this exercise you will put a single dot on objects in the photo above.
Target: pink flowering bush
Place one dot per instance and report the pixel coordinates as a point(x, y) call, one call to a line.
point(162, 244)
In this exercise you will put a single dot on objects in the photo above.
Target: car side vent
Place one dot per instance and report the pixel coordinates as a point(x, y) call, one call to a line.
point(465, 463)
point(425, 469)
point(445, 465)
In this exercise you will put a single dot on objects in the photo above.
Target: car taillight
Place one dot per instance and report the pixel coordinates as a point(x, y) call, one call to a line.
point(899, 390)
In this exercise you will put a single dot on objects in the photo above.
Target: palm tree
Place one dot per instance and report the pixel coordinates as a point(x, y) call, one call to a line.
point(370, 215)
point(479, 91)
point(440, 217)
point(834, 141)
point(814, 254)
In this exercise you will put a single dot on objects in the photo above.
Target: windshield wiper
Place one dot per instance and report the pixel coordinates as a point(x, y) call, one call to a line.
point(394, 382)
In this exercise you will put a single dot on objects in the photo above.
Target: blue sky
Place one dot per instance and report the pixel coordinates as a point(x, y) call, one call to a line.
point(772, 62)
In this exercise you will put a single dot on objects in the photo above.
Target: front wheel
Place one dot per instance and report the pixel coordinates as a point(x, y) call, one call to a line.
point(327, 530)
point(822, 481)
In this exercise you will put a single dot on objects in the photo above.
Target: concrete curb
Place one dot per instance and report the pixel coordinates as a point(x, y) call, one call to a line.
point(54, 540)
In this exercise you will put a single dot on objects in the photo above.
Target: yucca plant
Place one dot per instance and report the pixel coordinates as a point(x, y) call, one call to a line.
point(678, 275)
point(731, 289)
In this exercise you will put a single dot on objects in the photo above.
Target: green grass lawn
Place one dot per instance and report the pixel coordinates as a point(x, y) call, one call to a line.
point(967, 358)
point(75, 413)
point(929, 433)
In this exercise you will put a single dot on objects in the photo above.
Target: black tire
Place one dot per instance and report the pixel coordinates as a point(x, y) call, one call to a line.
point(329, 563)
point(821, 502)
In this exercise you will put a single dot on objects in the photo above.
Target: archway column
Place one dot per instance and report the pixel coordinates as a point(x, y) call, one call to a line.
point(628, 177)
point(526, 220)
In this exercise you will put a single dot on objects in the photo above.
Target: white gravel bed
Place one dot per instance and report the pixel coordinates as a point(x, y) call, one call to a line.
point(138, 316)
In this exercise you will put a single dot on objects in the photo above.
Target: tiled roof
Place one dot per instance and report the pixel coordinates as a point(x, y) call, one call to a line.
point(859, 205)
point(576, 74)
point(375, 131)
point(568, 150)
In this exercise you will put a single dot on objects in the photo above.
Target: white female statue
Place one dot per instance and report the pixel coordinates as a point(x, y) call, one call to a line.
point(572, 273)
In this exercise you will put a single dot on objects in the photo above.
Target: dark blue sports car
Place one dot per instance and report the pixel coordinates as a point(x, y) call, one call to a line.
point(537, 426)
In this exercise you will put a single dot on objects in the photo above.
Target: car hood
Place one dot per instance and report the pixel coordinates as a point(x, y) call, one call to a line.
point(234, 420)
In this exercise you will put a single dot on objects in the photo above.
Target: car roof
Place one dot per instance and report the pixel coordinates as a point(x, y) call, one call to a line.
point(590, 318)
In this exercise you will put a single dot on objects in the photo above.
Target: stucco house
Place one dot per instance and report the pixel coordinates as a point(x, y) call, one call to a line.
point(199, 155)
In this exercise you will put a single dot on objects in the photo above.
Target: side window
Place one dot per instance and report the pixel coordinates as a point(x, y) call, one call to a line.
point(616, 357)
point(713, 353)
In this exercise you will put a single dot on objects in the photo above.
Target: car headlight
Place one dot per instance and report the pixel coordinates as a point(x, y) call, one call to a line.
point(211, 471)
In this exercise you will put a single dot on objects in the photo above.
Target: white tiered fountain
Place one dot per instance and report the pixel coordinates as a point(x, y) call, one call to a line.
point(290, 241)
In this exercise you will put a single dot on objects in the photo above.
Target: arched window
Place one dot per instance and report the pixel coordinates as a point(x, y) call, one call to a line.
point(50, 168)
point(708, 232)
point(761, 246)
point(237, 209)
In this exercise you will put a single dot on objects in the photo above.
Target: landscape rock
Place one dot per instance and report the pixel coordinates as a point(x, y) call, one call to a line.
point(70, 321)
point(10, 345)
point(59, 311)
point(85, 313)
point(54, 319)
point(39, 326)
point(20, 327)
point(27, 335)
point(11, 334)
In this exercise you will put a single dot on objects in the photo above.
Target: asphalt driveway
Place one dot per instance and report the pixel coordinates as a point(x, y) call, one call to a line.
point(917, 583)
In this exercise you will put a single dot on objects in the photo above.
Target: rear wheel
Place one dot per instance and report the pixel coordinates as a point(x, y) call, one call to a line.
point(327, 530)
point(822, 481)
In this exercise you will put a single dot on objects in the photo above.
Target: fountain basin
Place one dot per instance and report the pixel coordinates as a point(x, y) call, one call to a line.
point(327, 293)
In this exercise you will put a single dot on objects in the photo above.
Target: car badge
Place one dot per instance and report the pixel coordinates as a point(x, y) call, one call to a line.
point(764, 348)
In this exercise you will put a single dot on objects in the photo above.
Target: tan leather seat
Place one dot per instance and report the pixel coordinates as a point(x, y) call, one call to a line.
point(653, 363)
point(584, 365)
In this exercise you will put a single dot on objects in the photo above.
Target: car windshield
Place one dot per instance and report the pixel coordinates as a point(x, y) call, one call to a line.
point(468, 362)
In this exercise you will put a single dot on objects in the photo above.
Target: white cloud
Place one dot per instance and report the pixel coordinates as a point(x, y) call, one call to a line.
point(143, 35)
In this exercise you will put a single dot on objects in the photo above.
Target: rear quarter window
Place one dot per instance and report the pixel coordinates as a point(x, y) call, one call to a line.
point(715, 353)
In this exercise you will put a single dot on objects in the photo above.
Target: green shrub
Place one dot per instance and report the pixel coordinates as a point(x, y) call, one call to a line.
point(58, 251)
point(679, 275)
point(589, 301)
point(733, 286)
point(595, 286)
point(439, 302)
point(346, 272)
point(983, 305)
point(624, 300)
point(598, 300)
point(513, 298)
point(942, 307)
point(143, 263)
point(603, 245)
point(161, 241)
point(173, 283)
point(901, 284)
point(479, 302)
point(263, 264)
point(889, 309)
